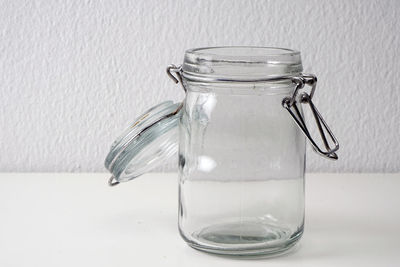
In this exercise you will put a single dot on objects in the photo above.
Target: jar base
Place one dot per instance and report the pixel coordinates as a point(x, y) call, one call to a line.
point(244, 239)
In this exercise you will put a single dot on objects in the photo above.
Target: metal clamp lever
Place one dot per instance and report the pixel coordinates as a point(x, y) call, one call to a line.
point(290, 102)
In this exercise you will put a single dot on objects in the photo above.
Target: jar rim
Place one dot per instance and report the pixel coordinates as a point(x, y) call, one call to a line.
point(250, 52)
point(240, 63)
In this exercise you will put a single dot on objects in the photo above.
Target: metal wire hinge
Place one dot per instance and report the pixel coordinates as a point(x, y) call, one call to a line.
point(290, 103)
point(177, 71)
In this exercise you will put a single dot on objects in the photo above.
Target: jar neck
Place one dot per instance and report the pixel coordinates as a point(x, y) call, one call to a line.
point(282, 86)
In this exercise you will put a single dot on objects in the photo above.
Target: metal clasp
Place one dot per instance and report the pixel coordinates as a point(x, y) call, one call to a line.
point(177, 70)
point(290, 102)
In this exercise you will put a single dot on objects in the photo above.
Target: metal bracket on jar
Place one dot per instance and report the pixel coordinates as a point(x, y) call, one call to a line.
point(290, 102)
point(177, 70)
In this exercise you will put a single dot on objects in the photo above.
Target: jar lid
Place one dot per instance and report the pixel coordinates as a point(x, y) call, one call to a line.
point(149, 141)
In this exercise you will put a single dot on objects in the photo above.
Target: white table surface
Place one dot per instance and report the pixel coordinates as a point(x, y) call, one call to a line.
point(77, 220)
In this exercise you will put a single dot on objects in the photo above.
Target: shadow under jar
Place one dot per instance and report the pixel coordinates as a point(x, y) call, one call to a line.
point(241, 154)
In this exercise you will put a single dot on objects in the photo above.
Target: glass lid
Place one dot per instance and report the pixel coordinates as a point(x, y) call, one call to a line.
point(147, 143)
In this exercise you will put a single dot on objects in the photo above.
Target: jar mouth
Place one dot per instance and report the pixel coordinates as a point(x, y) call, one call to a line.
point(250, 53)
point(240, 63)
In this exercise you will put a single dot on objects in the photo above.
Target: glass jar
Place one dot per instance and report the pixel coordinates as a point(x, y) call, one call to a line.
point(241, 154)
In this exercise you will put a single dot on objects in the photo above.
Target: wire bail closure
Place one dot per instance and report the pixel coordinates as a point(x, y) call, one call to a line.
point(290, 102)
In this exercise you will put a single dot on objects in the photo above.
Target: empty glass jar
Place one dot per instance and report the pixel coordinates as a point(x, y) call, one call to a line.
point(241, 137)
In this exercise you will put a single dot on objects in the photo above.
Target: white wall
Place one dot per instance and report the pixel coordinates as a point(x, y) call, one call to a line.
point(73, 74)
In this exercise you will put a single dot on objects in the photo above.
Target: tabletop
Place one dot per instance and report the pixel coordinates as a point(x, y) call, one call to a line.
point(60, 219)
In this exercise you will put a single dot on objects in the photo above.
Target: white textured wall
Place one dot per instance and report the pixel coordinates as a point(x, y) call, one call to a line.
point(73, 74)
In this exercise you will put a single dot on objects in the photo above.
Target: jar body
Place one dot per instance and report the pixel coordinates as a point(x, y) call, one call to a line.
point(241, 169)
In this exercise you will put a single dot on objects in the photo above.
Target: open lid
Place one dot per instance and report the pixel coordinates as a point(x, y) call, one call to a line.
point(147, 143)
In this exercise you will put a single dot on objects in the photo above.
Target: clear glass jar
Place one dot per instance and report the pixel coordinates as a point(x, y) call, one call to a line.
point(241, 154)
